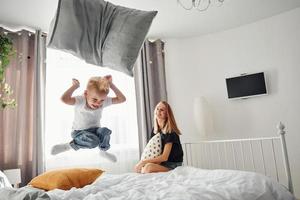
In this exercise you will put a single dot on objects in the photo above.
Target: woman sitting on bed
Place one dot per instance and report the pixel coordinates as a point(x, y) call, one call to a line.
point(172, 154)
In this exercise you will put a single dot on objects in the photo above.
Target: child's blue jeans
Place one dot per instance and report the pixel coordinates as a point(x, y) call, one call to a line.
point(91, 138)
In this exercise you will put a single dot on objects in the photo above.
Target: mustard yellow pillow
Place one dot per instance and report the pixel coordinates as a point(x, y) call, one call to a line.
point(65, 179)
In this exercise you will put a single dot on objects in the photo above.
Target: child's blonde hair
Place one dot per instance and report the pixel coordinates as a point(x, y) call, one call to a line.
point(100, 84)
point(170, 124)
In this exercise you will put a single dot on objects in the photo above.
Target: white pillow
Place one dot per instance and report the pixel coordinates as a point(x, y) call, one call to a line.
point(153, 148)
point(4, 180)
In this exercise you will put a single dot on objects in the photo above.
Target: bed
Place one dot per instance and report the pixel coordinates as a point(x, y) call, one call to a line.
point(233, 173)
point(181, 183)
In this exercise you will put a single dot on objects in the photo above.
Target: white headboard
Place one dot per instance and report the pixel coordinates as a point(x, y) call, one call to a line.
point(263, 155)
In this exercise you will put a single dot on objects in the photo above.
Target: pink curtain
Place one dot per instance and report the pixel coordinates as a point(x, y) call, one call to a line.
point(19, 128)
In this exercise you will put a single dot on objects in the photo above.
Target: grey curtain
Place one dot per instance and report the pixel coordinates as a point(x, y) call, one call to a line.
point(39, 108)
point(22, 128)
point(150, 83)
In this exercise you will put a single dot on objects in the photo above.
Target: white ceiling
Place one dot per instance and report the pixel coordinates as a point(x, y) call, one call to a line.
point(171, 21)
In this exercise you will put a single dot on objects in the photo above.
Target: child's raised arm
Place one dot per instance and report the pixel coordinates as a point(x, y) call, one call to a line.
point(67, 96)
point(120, 98)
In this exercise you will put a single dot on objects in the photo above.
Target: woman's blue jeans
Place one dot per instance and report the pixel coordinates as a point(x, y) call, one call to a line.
point(91, 138)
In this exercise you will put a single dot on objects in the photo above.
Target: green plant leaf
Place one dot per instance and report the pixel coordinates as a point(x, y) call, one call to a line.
point(6, 52)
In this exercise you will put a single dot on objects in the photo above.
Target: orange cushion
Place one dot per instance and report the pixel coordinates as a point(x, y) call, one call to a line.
point(65, 179)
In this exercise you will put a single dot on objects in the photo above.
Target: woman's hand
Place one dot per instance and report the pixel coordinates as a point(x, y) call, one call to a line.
point(138, 167)
point(75, 83)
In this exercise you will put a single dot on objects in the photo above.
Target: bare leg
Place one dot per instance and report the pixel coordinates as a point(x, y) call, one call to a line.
point(151, 167)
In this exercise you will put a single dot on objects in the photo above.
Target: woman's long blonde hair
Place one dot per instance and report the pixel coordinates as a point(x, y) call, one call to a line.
point(170, 124)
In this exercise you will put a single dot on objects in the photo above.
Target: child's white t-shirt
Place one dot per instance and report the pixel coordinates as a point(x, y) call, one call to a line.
point(85, 117)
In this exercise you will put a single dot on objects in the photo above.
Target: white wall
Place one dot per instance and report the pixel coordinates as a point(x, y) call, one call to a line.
point(198, 67)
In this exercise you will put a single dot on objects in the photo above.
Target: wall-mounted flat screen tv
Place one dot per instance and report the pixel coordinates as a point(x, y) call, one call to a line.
point(246, 85)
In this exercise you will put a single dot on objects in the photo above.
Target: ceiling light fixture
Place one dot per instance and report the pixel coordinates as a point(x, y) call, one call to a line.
point(200, 5)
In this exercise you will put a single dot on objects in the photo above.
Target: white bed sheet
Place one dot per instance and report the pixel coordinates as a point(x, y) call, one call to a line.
point(181, 183)
point(4, 182)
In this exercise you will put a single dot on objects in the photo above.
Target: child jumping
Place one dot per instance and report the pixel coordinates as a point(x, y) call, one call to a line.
point(87, 132)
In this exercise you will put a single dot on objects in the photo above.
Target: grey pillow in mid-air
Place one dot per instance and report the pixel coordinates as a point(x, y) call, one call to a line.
point(100, 32)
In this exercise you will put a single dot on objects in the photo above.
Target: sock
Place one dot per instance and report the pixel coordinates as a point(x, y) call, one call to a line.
point(109, 156)
point(59, 148)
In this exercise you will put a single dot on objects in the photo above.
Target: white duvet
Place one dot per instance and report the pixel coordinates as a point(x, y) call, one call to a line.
point(183, 183)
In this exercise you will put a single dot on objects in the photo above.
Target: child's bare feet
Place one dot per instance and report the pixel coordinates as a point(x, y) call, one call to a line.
point(109, 156)
point(59, 148)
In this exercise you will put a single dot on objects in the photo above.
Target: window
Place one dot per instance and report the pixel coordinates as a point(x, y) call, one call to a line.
point(120, 118)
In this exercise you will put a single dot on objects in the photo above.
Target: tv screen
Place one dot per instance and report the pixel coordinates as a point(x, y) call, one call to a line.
point(246, 85)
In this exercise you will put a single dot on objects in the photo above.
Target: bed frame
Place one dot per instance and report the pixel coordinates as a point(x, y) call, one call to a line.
point(266, 155)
